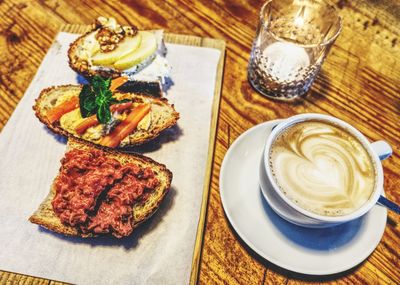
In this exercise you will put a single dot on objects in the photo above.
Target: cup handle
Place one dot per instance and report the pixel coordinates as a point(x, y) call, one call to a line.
point(382, 149)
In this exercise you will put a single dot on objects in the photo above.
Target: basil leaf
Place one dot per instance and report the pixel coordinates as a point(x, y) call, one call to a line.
point(97, 81)
point(107, 94)
point(82, 96)
point(100, 100)
point(87, 103)
point(103, 113)
point(98, 85)
point(96, 98)
point(107, 83)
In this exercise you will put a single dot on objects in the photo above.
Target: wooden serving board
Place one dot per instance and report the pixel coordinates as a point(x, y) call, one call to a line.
point(15, 278)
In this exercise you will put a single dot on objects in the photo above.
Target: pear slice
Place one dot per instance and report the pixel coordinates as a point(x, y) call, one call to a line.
point(127, 46)
point(147, 47)
point(95, 48)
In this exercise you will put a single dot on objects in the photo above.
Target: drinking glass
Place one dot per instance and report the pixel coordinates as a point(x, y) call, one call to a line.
point(292, 41)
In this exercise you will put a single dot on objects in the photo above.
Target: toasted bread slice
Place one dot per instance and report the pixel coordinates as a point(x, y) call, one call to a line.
point(45, 216)
point(162, 115)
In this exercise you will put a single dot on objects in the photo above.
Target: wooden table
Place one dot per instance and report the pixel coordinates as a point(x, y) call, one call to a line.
point(359, 83)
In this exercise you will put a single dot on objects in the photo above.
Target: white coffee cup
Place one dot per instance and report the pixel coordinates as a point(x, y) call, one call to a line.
point(291, 211)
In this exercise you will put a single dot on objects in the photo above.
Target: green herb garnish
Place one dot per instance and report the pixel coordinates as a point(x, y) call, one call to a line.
point(96, 98)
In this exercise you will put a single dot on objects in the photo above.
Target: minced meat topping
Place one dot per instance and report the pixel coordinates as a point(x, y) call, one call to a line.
point(96, 193)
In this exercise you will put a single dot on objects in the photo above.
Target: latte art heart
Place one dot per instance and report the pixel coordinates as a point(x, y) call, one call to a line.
point(322, 168)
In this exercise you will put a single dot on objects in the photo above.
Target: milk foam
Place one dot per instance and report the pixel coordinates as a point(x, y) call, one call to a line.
point(322, 168)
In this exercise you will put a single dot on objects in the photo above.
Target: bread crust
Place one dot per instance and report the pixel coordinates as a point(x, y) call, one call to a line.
point(45, 216)
point(56, 128)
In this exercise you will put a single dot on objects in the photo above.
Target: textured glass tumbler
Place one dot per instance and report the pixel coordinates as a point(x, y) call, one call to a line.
point(292, 41)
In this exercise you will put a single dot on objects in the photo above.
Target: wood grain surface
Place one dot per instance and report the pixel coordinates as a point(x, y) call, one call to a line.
point(359, 83)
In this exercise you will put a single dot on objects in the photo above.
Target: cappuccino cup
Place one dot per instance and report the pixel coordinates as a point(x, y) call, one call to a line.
point(319, 171)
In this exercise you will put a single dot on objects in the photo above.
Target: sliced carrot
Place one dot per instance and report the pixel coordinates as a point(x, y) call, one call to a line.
point(86, 124)
point(92, 120)
point(126, 126)
point(58, 111)
point(120, 107)
point(117, 82)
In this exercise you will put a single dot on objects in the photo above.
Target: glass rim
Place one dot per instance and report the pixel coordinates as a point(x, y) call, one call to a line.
point(323, 43)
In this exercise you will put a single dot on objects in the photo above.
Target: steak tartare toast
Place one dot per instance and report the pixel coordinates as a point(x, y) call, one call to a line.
point(102, 192)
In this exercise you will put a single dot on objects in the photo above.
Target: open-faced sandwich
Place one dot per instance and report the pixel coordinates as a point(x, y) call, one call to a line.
point(112, 50)
point(100, 114)
point(102, 192)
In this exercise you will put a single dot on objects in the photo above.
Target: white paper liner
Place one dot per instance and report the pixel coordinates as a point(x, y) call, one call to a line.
point(160, 251)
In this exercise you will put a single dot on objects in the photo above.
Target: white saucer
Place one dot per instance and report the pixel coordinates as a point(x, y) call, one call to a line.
point(303, 250)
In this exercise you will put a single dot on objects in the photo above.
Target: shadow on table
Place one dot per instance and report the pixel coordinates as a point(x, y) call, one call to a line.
point(313, 239)
point(322, 239)
point(81, 79)
point(58, 138)
point(169, 135)
point(323, 81)
point(127, 242)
